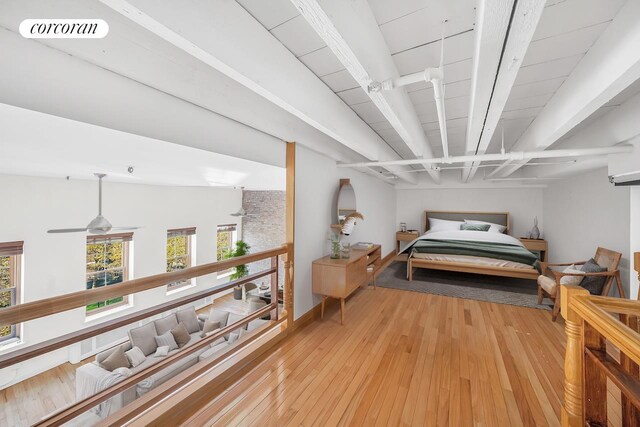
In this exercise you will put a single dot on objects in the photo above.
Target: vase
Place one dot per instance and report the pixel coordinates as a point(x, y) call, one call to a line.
point(535, 231)
point(335, 248)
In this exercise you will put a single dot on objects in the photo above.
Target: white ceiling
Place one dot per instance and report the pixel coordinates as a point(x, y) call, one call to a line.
point(38, 144)
point(411, 30)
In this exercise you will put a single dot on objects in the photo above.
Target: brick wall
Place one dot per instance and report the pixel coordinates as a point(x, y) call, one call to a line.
point(264, 228)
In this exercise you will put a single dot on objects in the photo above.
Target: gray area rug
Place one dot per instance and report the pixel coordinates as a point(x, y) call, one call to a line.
point(501, 290)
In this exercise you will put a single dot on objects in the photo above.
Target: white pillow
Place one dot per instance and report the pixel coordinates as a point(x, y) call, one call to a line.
point(135, 356)
point(495, 228)
point(443, 224)
point(571, 280)
point(162, 351)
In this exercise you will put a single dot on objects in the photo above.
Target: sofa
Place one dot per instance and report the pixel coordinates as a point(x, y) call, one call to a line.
point(94, 377)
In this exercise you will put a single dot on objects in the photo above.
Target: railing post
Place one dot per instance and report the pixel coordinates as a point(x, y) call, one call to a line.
point(288, 285)
point(274, 287)
point(571, 413)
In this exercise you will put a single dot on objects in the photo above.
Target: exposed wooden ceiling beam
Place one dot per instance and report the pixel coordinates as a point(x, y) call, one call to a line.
point(227, 38)
point(352, 33)
point(503, 32)
point(610, 65)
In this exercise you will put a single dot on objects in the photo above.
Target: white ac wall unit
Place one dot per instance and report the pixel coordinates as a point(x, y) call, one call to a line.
point(624, 169)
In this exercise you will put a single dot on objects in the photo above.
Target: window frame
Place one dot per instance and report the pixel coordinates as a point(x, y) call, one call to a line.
point(234, 239)
point(14, 251)
point(126, 239)
point(189, 233)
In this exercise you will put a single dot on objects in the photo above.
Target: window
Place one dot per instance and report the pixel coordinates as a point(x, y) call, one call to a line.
point(226, 239)
point(10, 271)
point(107, 265)
point(179, 253)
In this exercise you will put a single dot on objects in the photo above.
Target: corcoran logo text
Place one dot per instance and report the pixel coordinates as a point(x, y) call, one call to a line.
point(64, 28)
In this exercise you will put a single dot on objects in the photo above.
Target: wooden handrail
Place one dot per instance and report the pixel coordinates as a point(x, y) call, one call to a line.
point(589, 323)
point(48, 306)
point(82, 406)
point(38, 349)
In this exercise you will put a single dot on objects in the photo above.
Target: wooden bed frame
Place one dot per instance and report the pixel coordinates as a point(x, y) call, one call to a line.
point(501, 218)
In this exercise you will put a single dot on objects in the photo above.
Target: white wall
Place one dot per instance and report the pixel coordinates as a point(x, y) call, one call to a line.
point(317, 181)
point(54, 264)
point(586, 211)
point(523, 204)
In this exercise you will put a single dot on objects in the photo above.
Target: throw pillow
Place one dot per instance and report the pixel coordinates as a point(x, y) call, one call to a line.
point(494, 227)
point(221, 316)
point(142, 337)
point(475, 227)
point(162, 351)
point(135, 356)
point(168, 340)
point(189, 317)
point(166, 324)
point(117, 359)
point(233, 337)
point(208, 327)
point(593, 284)
point(571, 280)
point(443, 225)
point(181, 335)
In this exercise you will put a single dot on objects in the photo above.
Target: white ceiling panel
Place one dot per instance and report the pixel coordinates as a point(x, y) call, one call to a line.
point(566, 44)
point(340, 81)
point(529, 102)
point(451, 124)
point(354, 96)
point(451, 90)
point(536, 88)
point(270, 13)
point(548, 70)
point(456, 49)
point(368, 112)
point(425, 25)
point(298, 36)
point(322, 62)
point(455, 72)
point(570, 15)
point(385, 10)
point(513, 129)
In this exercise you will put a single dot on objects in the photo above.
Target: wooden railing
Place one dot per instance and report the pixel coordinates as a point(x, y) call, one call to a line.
point(592, 322)
point(46, 307)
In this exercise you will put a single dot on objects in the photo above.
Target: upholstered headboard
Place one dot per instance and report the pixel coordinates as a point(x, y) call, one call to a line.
point(501, 218)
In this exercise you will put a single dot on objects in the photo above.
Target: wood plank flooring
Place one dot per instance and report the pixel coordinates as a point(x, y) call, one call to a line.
point(405, 358)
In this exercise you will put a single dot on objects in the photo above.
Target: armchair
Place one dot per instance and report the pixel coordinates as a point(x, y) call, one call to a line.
point(550, 280)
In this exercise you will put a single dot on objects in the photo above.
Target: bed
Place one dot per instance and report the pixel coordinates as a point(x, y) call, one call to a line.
point(493, 252)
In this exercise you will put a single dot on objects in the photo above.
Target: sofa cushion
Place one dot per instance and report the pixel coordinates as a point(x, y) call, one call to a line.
point(208, 327)
point(220, 340)
point(166, 324)
point(135, 356)
point(162, 351)
point(255, 324)
point(167, 340)
point(117, 359)
point(143, 337)
point(213, 350)
point(548, 284)
point(103, 355)
point(189, 318)
point(170, 371)
point(181, 335)
point(233, 317)
point(593, 284)
point(216, 315)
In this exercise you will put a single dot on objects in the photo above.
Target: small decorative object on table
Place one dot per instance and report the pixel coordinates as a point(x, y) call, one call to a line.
point(335, 246)
point(535, 231)
point(350, 222)
point(403, 227)
point(346, 250)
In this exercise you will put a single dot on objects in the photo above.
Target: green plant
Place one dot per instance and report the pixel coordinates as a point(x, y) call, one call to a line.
point(242, 248)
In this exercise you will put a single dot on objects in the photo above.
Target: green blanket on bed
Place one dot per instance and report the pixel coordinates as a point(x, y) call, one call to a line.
point(502, 251)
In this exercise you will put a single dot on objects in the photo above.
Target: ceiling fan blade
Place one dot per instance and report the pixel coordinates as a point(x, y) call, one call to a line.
point(67, 230)
point(124, 228)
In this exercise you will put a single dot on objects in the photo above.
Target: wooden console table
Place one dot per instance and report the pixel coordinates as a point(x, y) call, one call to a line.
point(339, 278)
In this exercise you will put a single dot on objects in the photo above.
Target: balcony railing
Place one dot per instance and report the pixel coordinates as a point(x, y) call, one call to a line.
point(597, 329)
point(49, 306)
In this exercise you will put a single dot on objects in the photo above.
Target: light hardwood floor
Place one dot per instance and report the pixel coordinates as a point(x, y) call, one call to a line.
point(406, 358)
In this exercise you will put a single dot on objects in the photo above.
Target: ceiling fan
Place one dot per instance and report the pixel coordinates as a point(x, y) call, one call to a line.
point(98, 225)
point(242, 213)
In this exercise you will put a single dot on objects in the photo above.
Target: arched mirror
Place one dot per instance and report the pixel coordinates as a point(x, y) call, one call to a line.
point(346, 200)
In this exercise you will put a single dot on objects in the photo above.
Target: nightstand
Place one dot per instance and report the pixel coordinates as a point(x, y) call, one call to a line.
point(536, 245)
point(405, 236)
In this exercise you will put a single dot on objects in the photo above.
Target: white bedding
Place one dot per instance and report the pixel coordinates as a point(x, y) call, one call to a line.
point(472, 236)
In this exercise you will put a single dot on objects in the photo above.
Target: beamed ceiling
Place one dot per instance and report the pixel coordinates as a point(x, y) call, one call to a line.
point(540, 72)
